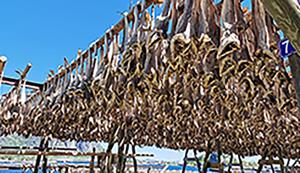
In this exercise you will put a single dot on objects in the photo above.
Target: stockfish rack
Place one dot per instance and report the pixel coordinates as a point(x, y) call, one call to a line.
point(191, 45)
point(43, 150)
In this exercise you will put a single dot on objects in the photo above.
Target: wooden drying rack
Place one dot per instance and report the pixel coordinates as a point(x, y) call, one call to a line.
point(97, 44)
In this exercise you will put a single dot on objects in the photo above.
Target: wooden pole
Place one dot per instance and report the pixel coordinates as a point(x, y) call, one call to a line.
point(125, 159)
point(3, 60)
point(261, 165)
point(296, 161)
point(134, 159)
point(287, 16)
point(197, 161)
point(219, 159)
point(2, 65)
point(185, 160)
point(34, 148)
point(38, 158)
point(26, 70)
point(272, 168)
point(121, 157)
point(230, 163)
point(45, 160)
point(207, 154)
point(92, 162)
point(111, 143)
point(287, 165)
point(241, 164)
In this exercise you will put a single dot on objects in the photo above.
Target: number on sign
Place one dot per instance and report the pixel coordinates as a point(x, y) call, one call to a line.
point(286, 48)
point(286, 45)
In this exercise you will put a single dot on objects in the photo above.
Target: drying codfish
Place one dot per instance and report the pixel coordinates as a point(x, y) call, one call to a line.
point(197, 80)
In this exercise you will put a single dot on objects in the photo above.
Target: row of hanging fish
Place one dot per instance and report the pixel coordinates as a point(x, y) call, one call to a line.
point(201, 75)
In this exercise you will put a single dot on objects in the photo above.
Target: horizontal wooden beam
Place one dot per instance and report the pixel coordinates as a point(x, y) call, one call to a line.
point(35, 148)
point(270, 162)
point(3, 167)
point(59, 153)
point(14, 82)
point(49, 153)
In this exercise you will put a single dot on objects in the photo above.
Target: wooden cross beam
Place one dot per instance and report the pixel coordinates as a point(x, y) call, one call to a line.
point(60, 153)
point(34, 148)
point(14, 82)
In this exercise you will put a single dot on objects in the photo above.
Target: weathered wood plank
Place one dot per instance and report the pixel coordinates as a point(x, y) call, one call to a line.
point(60, 153)
point(295, 66)
point(270, 162)
point(287, 16)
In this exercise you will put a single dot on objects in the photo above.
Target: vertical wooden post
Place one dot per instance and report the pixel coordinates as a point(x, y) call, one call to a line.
point(230, 163)
point(185, 160)
point(98, 161)
point(120, 157)
point(112, 141)
point(260, 165)
point(207, 153)
point(219, 159)
point(38, 158)
point(60, 168)
point(241, 164)
point(45, 160)
point(134, 159)
point(287, 165)
point(197, 161)
point(294, 164)
point(2, 65)
point(282, 169)
point(272, 167)
point(125, 158)
point(67, 170)
point(92, 162)
point(109, 162)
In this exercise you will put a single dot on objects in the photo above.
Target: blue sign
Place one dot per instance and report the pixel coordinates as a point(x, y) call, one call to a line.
point(213, 157)
point(286, 48)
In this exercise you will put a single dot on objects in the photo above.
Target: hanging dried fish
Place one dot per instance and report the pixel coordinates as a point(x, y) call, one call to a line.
point(176, 88)
point(185, 18)
point(126, 31)
point(261, 30)
point(162, 21)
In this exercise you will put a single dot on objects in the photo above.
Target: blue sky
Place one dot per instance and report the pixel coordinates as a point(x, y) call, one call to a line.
point(44, 32)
